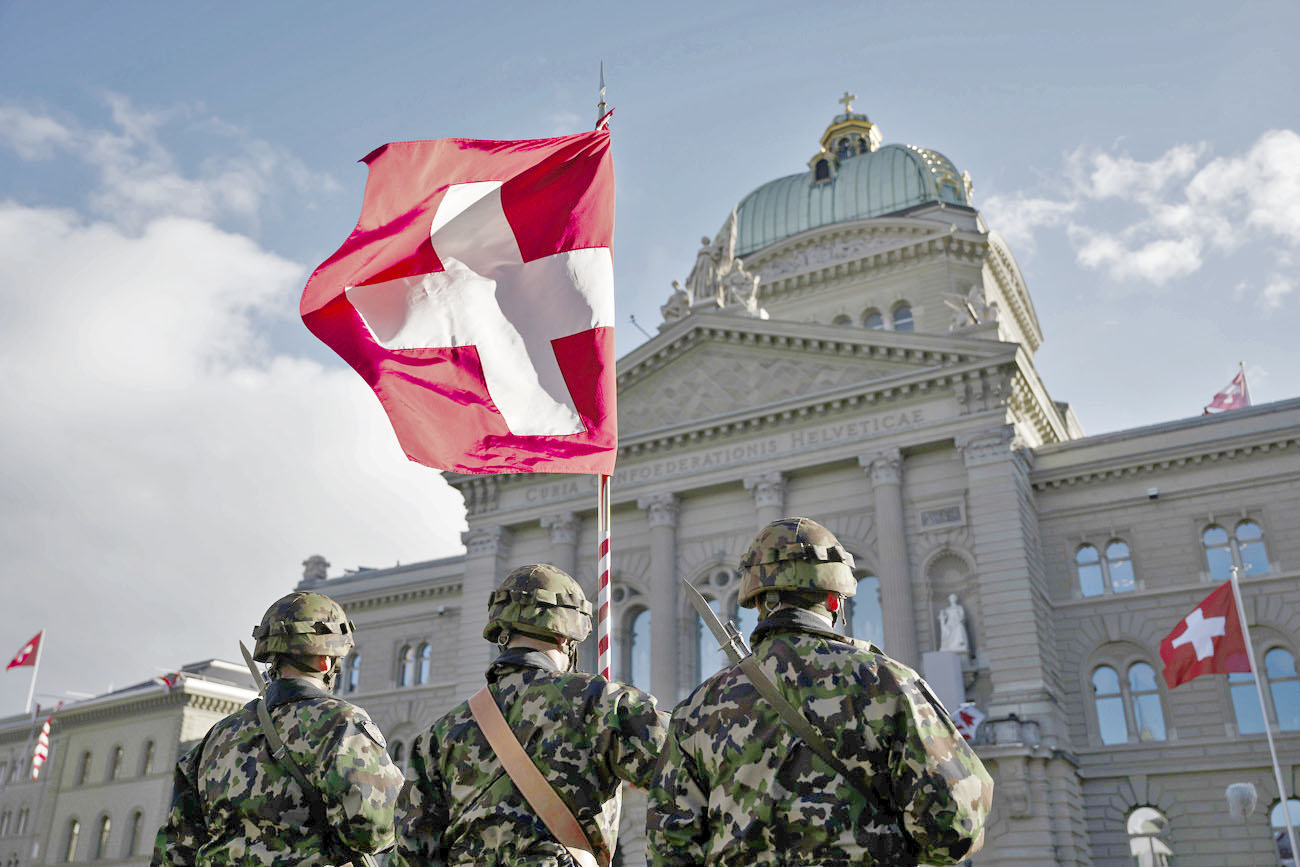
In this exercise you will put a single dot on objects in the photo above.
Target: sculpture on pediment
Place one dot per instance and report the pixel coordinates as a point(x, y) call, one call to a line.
point(952, 627)
point(971, 308)
point(315, 568)
point(678, 306)
point(740, 288)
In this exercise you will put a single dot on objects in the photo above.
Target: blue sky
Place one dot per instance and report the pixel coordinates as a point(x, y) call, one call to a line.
point(169, 176)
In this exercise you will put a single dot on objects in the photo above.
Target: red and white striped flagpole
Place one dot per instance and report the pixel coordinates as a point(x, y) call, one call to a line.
point(605, 611)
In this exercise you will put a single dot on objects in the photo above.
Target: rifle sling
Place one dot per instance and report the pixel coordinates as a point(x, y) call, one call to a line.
point(797, 722)
point(530, 782)
point(315, 805)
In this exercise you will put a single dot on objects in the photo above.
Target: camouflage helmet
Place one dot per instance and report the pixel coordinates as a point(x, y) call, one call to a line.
point(539, 600)
point(303, 624)
point(795, 554)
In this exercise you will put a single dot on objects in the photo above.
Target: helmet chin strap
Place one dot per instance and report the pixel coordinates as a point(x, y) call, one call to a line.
point(331, 677)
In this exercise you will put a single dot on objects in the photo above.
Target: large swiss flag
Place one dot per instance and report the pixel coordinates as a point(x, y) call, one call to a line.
point(1207, 641)
point(476, 297)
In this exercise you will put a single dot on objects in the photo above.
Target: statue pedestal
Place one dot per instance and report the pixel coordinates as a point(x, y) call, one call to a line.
point(942, 671)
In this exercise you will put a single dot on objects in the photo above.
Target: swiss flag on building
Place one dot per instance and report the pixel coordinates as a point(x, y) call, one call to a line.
point(476, 297)
point(1234, 396)
point(27, 655)
point(1206, 641)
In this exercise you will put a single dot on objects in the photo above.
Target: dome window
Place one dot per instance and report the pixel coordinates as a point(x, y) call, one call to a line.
point(822, 170)
point(903, 318)
point(873, 320)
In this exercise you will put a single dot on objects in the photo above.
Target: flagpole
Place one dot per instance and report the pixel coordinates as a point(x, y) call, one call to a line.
point(31, 689)
point(604, 617)
point(1263, 709)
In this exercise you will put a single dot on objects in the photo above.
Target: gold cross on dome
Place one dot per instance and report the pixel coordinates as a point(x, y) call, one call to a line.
point(847, 101)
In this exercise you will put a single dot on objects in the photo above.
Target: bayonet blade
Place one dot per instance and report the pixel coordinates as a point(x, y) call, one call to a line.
point(253, 669)
point(730, 641)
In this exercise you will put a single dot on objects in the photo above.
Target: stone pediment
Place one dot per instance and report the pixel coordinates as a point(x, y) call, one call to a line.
point(713, 365)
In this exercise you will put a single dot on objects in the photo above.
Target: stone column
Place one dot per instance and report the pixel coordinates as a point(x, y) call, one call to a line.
point(661, 512)
point(891, 551)
point(564, 554)
point(487, 554)
point(769, 496)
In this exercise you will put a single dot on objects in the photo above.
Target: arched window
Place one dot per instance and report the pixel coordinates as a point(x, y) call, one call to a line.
point(1109, 701)
point(23, 815)
point(83, 770)
point(1148, 717)
point(1120, 566)
point(1277, 820)
point(1244, 548)
point(638, 651)
point(903, 318)
point(398, 753)
point(101, 841)
point(1088, 563)
point(353, 674)
point(114, 764)
point(425, 658)
point(4, 823)
point(873, 320)
point(1145, 827)
point(865, 619)
point(709, 657)
point(746, 619)
point(146, 762)
point(842, 319)
point(133, 834)
point(1245, 703)
point(1284, 686)
point(74, 831)
point(821, 170)
point(406, 666)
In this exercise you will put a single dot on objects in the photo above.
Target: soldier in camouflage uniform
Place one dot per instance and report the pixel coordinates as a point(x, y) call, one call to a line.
point(232, 803)
point(583, 732)
point(738, 788)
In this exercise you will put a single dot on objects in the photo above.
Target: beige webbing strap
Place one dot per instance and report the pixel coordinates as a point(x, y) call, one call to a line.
point(553, 812)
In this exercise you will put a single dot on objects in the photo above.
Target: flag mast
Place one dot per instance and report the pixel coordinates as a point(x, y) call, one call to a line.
point(31, 688)
point(1263, 709)
point(604, 599)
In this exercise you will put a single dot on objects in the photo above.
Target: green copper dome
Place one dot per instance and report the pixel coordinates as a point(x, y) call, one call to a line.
point(846, 182)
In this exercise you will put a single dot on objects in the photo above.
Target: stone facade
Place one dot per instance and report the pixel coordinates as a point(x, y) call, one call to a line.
point(106, 785)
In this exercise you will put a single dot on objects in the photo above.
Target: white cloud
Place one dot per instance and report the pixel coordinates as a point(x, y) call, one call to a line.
point(1164, 216)
point(32, 137)
point(166, 468)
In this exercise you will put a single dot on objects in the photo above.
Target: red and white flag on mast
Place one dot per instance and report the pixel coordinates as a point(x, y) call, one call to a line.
point(27, 655)
point(1234, 396)
point(476, 297)
point(42, 751)
point(1207, 641)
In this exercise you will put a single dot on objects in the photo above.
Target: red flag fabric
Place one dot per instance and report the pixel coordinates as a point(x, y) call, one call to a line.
point(42, 751)
point(26, 656)
point(476, 297)
point(1234, 396)
point(1207, 641)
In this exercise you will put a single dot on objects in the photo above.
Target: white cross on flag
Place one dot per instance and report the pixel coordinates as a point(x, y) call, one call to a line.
point(1234, 396)
point(27, 655)
point(1207, 641)
point(476, 297)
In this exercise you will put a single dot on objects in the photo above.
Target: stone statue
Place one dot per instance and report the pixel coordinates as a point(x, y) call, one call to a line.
point(971, 308)
point(679, 304)
point(315, 568)
point(741, 288)
point(952, 627)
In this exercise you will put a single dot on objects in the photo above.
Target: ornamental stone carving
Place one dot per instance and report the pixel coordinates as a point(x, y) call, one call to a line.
point(563, 527)
point(952, 627)
point(985, 447)
point(487, 541)
point(827, 253)
point(718, 281)
point(768, 488)
point(662, 510)
point(677, 307)
point(315, 568)
point(885, 467)
point(971, 308)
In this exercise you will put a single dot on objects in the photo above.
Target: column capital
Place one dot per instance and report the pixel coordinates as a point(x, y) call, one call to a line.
point(986, 446)
point(661, 509)
point(563, 526)
point(487, 541)
point(768, 488)
point(886, 467)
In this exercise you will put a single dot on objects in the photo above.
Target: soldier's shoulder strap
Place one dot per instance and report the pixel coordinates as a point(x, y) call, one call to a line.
point(797, 722)
point(530, 782)
point(315, 805)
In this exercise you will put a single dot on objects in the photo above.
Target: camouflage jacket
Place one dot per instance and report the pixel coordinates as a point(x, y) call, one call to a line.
point(232, 804)
point(583, 732)
point(736, 787)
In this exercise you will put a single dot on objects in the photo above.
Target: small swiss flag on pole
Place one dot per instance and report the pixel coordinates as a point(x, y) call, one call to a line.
point(1234, 396)
point(27, 655)
point(476, 297)
point(1207, 641)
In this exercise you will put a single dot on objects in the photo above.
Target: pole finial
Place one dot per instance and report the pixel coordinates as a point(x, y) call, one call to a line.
point(601, 108)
